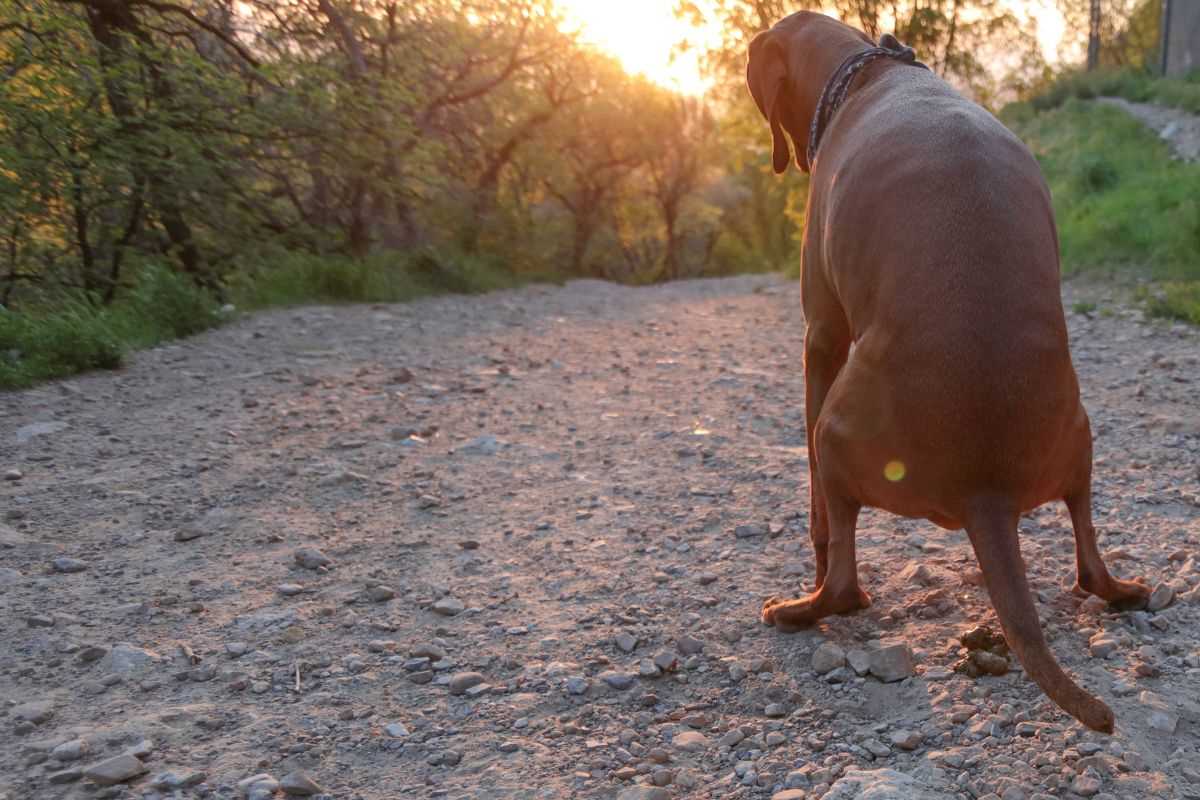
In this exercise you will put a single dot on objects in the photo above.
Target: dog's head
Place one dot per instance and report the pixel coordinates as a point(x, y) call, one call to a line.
point(781, 61)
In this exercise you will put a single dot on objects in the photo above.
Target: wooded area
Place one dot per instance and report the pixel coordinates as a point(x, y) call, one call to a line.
point(227, 142)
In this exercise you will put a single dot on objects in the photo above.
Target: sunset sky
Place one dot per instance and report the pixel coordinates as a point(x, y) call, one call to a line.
point(642, 33)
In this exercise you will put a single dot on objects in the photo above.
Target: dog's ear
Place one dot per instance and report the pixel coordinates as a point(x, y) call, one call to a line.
point(766, 75)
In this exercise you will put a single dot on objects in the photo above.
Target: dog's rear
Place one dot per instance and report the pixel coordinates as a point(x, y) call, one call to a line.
point(930, 245)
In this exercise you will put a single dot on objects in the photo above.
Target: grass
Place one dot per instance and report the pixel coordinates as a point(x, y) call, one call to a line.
point(1140, 87)
point(163, 305)
point(1179, 301)
point(1121, 201)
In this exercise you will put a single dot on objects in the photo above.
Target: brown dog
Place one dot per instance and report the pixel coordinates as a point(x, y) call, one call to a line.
point(929, 247)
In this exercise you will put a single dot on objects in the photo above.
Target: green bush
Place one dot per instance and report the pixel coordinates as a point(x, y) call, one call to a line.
point(1135, 85)
point(1119, 197)
point(1175, 300)
point(74, 340)
point(164, 305)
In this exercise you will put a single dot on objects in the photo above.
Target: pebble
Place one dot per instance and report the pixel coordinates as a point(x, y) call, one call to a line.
point(688, 645)
point(775, 710)
point(258, 787)
point(311, 558)
point(690, 741)
point(626, 642)
point(576, 685)
point(618, 680)
point(449, 607)
point(36, 712)
point(906, 739)
point(396, 730)
point(117, 769)
point(859, 661)
point(891, 663)
point(460, 682)
point(1102, 646)
point(71, 751)
point(13, 474)
point(171, 781)
point(299, 784)
point(1160, 598)
point(644, 793)
point(827, 658)
point(289, 589)
point(380, 594)
point(67, 565)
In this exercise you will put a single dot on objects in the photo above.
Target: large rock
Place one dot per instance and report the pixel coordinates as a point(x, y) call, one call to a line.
point(891, 662)
point(881, 784)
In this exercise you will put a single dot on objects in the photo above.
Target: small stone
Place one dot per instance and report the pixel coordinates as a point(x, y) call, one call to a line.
point(626, 642)
point(690, 741)
point(775, 710)
point(666, 661)
point(396, 730)
point(67, 565)
point(689, 646)
point(71, 751)
point(859, 661)
point(577, 685)
point(643, 793)
point(1101, 646)
point(380, 594)
point(289, 589)
point(891, 662)
point(91, 652)
point(618, 680)
point(989, 663)
point(906, 739)
point(877, 748)
point(117, 769)
point(1086, 785)
point(311, 558)
point(449, 607)
point(13, 474)
point(171, 781)
point(790, 794)
point(1160, 598)
point(648, 669)
point(751, 530)
point(69, 775)
point(36, 712)
point(462, 681)
point(299, 784)
point(827, 658)
point(258, 787)
point(39, 621)
point(731, 737)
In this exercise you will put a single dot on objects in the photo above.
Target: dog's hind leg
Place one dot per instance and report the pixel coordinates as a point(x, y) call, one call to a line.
point(1092, 576)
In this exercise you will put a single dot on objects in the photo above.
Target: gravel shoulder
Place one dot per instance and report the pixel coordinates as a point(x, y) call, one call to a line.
point(514, 546)
point(1178, 128)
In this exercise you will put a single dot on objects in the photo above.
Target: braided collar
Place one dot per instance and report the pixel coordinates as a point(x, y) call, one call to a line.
point(838, 85)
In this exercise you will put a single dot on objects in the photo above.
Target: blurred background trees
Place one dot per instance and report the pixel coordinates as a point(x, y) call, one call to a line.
point(367, 149)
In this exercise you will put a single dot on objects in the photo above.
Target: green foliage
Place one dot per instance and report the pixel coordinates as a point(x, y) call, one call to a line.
point(1119, 197)
point(1136, 85)
point(1176, 300)
point(74, 339)
point(1084, 307)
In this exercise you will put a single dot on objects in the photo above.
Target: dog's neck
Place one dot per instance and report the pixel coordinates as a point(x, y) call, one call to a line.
point(830, 47)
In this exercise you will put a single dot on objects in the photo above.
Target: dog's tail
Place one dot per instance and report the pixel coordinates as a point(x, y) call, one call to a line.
point(993, 534)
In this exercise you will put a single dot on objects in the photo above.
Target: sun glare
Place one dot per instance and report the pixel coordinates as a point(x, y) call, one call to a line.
point(644, 35)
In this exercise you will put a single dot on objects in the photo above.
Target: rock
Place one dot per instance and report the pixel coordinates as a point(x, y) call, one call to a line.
point(71, 751)
point(69, 775)
point(171, 781)
point(666, 661)
point(380, 594)
point(689, 646)
point(879, 784)
point(10, 577)
point(690, 741)
point(892, 662)
point(626, 642)
point(34, 429)
point(827, 658)
point(576, 685)
point(449, 607)
point(481, 446)
point(289, 589)
point(648, 669)
point(988, 663)
point(13, 474)
point(906, 739)
point(644, 793)
point(258, 787)
point(462, 681)
point(618, 680)
point(124, 659)
point(1086, 785)
point(751, 530)
point(859, 661)
point(66, 565)
point(311, 558)
point(117, 769)
point(299, 784)
point(790, 794)
point(1160, 598)
point(396, 730)
point(775, 710)
point(36, 712)
point(1101, 646)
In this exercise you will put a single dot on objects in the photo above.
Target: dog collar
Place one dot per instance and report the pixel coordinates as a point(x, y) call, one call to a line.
point(838, 86)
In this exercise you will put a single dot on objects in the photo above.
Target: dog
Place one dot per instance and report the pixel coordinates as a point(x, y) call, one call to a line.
point(938, 379)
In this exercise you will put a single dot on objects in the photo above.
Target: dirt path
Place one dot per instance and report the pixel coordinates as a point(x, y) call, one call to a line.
point(545, 522)
point(1176, 127)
